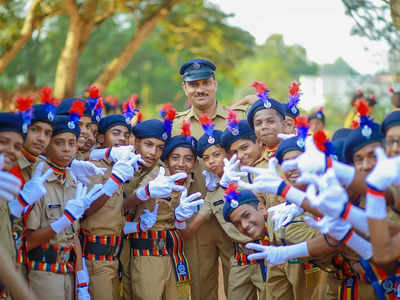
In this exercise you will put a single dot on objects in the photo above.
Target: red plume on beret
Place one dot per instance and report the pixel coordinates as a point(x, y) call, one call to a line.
point(186, 129)
point(24, 103)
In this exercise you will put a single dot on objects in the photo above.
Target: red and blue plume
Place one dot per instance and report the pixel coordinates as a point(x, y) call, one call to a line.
point(76, 112)
point(261, 90)
point(320, 112)
point(168, 113)
point(366, 122)
point(24, 107)
point(186, 130)
point(129, 109)
point(231, 195)
point(232, 122)
point(49, 102)
point(164, 109)
point(302, 125)
point(94, 94)
point(207, 124)
point(139, 117)
point(98, 109)
point(294, 94)
point(322, 143)
point(390, 91)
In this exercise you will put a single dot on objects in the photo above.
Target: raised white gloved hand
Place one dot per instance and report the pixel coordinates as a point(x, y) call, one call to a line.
point(332, 198)
point(115, 153)
point(122, 171)
point(186, 208)
point(83, 169)
point(341, 231)
point(211, 180)
point(32, 191)
point(96, 192)
point(283, 214)
point(274, 255)
point(83, 280)
point(9, 184)
point(148, 218)
point(385, 173)
point(231, 173)
point(161, 186)
point(284, 136)
point(74, 210)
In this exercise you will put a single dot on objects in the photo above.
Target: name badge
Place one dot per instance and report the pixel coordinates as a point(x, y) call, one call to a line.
point(54, 205)
point(219, 202)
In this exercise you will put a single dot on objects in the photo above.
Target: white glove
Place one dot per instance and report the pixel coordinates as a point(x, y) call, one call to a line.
point(211, 180)
point(314, 161)
point(83, 169)
point(231, 173)
point(9, 184)
point(122, 171)
point(74, 210)
point(147, 221)
point(332, 198)
point(385, 173)
point(277, 255)
point(284, 136)
point(186, 208)
point(341, 231)
point(268, 181)
point(96, 192)
point(161, 186)
point(113, 153)
point(83, 280)
point(283, 214)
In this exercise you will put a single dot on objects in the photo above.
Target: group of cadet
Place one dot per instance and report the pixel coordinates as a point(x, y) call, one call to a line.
point(92, 207)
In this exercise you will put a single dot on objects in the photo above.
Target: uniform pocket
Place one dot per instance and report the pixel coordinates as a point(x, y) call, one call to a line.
point(54, 211)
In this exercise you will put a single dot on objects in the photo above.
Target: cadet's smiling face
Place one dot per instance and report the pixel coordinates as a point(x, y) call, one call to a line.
point(289, 125)
point(292, 175)
point(249, 221)
point(86, 139)
point(62, 149)
point(150, 149)
point(38, 137)
point(10, 146)
point(392, 141)
point(181, 159)
point(316, 125)
point(267, 124)
point(202, 93)
point(213, 158)
point(115, 136)
point(246, 150)
point(364, 159)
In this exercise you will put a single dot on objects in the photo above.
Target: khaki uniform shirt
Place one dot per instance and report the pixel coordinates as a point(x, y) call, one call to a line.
point(6, 238)
point(108, 220)
point(213, 205)
point(51, 207)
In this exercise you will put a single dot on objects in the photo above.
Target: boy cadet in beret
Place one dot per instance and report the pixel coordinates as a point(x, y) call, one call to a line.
point(200, 87)
point(102, 227)
point(158, 256)
point(53, 248)
point(36, 141)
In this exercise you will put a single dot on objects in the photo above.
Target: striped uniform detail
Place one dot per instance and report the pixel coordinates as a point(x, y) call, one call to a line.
point(151, 234)
point(60, 268)
point(111, 240)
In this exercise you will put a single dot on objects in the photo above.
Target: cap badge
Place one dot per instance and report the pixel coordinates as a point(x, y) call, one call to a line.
point(196, 66)
point(71, 125)
point(164, 136)
point(366, 132)
point(211, 140)
point(50, 116)
point(267, 104)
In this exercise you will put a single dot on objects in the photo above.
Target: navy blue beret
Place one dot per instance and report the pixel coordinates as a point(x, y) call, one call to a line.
point(391, 120)
point(40, 113)
point(113, 120)
point(338, 145)
point(179, 141)
point(64, 124)
point(292, 111)
point(319, 115)
point(341, 133)
point(11, 122)
point(245, 133)
point(244, 197)
point(290, 144)
point(359, 138)
point(66, 104)
point(207, 141)
point(152, 128)
point(259, 105)
point(197, 69)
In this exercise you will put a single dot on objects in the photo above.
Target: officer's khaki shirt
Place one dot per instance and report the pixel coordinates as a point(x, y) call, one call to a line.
point(51, 207)
point(108, 220)
point(213, 205)
point(166, 208)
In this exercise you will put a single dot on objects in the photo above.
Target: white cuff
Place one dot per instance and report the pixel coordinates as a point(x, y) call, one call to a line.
point(375, 207)
point(131, 227)
point(298, 250)
point(180, 225)
point(60, 224)
point(97, 154)
point(357, 218)
point(359, 245)
point(345, 173)
point(110, 187)
point(295, 196)
point(141, 193)
point(16, 208)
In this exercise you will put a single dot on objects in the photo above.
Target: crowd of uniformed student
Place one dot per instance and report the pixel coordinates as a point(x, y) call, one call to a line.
point(93, 207)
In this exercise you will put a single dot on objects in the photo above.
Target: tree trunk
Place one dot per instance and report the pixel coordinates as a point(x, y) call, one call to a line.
point(30, 24)
point(145, 28)
point(395, 12)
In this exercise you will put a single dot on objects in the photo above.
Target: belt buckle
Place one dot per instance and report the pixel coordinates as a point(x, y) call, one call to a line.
point(159, 244)
point(65, 257)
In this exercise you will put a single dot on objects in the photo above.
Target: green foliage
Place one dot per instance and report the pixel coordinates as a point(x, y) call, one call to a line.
point(339, 68)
